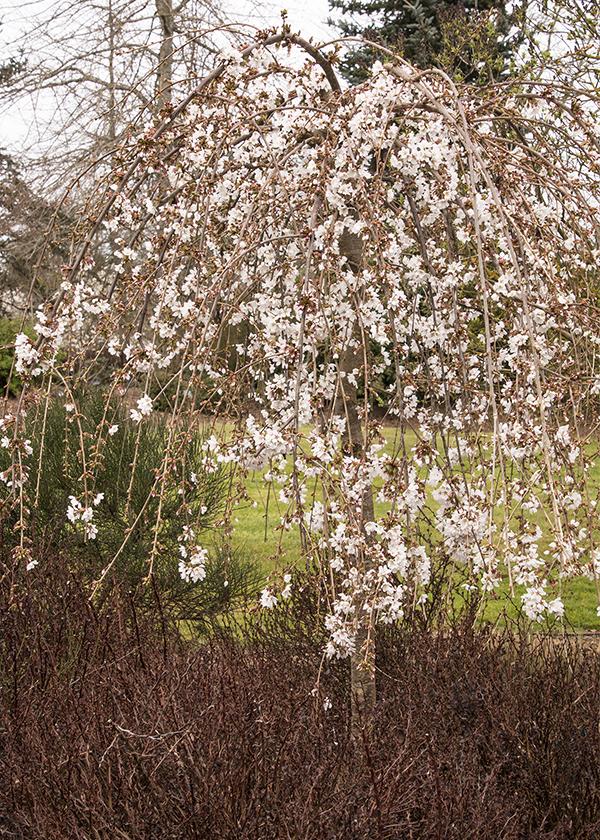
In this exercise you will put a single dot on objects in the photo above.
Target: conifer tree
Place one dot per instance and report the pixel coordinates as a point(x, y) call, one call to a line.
point(472, 40)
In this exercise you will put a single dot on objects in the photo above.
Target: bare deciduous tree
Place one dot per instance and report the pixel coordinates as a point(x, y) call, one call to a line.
point(92, 67)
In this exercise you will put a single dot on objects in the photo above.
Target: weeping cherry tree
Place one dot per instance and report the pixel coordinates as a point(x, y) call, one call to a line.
point(390, 294)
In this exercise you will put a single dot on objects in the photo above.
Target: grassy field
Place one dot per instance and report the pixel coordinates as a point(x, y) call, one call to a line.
point(257, 533)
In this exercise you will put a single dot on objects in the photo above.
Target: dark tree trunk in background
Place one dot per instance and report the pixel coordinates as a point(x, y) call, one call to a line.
point(164, 76)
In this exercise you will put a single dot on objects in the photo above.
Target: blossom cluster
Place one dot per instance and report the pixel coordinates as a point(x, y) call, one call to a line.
point(192, 565)
point(82, 515)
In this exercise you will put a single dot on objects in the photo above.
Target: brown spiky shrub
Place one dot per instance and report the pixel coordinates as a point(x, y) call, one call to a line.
point(113, 725)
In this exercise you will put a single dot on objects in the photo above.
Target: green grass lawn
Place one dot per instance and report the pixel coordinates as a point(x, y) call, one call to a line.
point(257, 532)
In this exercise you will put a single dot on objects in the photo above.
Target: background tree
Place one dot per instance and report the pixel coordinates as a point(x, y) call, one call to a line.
point(83, 72)
point(472, 40)
point(9, 67)
point(562, 37)
point(97, 67)
point(34, 241)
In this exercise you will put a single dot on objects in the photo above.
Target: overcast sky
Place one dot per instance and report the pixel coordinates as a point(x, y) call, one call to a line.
point(18, 125)
point(308, 16)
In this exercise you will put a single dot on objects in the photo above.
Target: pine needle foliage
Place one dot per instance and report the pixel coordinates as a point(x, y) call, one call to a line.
point(129, 505)
point(473, 40)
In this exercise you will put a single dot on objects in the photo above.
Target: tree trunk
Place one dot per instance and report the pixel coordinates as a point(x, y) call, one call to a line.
point(362, 662)
point(164, 74)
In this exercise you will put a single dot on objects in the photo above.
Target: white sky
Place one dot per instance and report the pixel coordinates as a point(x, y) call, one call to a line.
point(306, 16)
point(19, 124)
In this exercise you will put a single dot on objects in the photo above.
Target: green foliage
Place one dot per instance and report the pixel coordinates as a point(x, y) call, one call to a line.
point(472, 40)
point(126, 473)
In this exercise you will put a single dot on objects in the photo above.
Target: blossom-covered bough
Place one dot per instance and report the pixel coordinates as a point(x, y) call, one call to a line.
point(389, 291)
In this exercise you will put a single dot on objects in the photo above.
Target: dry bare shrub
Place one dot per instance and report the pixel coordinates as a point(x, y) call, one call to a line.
point(116, 727)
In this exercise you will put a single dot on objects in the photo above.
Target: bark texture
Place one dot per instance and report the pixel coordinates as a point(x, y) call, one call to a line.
point(362, 663)
point(164, 75)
